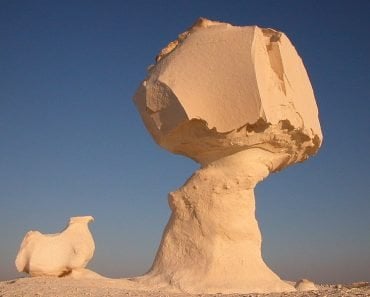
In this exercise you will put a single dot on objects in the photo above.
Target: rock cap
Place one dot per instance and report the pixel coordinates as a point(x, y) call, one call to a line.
point(219, 89)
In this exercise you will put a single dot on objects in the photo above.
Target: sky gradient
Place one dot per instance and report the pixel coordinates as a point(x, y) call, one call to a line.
point(72, 142)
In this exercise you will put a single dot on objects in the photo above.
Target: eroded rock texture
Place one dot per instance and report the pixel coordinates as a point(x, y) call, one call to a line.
point(220, 89)
point(237, 100)
point(57, 254)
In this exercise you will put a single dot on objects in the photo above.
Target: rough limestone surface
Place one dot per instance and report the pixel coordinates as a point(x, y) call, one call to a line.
point(237, 100)
point(58, 254)
point(305, 285)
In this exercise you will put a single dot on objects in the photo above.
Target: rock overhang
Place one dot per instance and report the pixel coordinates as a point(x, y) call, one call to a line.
point(219, 89)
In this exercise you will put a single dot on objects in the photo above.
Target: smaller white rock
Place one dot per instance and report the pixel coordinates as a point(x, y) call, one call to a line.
point(57, 254)
point(305, 285)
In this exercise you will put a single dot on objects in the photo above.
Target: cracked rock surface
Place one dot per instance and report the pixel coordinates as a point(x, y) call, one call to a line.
point(219, 89)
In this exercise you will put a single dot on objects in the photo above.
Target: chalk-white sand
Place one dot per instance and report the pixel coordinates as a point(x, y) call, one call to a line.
point(65, 287)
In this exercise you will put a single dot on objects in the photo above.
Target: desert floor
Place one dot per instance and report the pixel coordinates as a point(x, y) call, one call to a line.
point(44, 286)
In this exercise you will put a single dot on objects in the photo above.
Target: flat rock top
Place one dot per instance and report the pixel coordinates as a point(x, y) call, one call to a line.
point(51, 287)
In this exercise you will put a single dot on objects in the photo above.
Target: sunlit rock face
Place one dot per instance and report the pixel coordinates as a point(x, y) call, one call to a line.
point(57, 254)
point(237, 100)
point(220, 89)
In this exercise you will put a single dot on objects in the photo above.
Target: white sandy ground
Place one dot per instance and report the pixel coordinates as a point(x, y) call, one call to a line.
point(65, 287)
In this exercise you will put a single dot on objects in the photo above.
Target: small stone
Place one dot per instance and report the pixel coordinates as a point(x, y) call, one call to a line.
point(305, 285)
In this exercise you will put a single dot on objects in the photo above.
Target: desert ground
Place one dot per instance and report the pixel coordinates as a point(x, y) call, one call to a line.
point(52, 287)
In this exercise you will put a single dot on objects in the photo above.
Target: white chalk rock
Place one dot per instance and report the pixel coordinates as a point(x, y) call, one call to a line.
point(237, 100)
point(305, 285)
point(57, 254)
point(220, 89)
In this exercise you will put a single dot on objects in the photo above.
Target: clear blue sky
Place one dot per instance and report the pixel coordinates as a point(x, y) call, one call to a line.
point(72, 142)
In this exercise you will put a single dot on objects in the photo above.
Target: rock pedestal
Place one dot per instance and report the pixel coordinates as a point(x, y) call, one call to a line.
point(212, 242)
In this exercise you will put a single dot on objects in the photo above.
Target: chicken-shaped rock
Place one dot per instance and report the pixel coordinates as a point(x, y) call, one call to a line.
point(57, 254)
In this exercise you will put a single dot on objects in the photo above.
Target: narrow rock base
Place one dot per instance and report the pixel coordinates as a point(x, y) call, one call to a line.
point(212, 242)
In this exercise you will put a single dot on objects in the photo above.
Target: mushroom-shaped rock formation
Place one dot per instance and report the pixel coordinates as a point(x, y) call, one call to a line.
point(237, 100)
point(57, 254)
